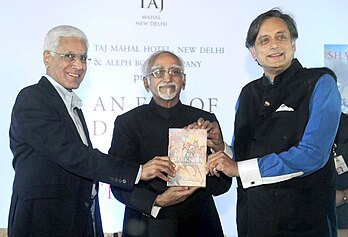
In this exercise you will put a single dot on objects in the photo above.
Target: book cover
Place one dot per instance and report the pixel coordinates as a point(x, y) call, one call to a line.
point(187, 149)
point(336, 58)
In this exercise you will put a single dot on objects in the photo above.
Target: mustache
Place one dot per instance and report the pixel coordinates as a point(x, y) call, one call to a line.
point(167, 84)
point(163, 84)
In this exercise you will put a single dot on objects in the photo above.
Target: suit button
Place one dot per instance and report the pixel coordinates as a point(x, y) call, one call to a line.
point(86, 204)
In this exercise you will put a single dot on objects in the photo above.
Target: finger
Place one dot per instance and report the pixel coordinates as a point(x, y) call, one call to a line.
point(200, 121)
point(192, 125)
point(217, 156)
point(162, 158)
point(156, 170)
point(212, 164)
point(181, 188)
point(165, 163)
point(196, 126)
point(206, 125)
point(168, 169)
point(212, 160)
point(213, 127)
point(162, 176)
point(213, 156)
point(209, 165)
point(187, 192)
point(209, 168)
point(212, 170)
point(216, 172)
point(213, 135)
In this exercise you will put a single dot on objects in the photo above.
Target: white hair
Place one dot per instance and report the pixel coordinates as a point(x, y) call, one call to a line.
point(53, 36)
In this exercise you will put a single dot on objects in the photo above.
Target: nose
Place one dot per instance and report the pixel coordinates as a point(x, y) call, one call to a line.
point(274, 43)
point(167, 76)
point(78, 64)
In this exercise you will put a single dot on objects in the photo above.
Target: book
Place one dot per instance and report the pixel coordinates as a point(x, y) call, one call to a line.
point(336, 58)
point(187, 149)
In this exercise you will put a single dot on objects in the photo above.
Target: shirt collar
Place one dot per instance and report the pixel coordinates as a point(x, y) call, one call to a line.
point(70, 99)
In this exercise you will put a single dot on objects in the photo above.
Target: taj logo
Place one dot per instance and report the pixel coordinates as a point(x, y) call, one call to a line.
point(151, 4)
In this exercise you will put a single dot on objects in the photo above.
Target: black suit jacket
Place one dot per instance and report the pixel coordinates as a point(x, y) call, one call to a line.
point(141, 134)
point(342, 179)
point(54, 170)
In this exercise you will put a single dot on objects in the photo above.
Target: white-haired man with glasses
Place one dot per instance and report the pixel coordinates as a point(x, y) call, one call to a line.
point(153, 209)
point(56, 168)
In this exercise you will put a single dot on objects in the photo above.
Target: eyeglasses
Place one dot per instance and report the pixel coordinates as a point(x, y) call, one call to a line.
point(161, 73)
point(71, 57)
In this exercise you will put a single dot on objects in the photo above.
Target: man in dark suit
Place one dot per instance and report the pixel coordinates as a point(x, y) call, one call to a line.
point(341, 161)
point(56, 167)
point(153, 209)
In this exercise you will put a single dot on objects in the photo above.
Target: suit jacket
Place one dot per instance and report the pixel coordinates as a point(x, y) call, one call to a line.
point(141, 134)
point(54, 170)
point(342, 179)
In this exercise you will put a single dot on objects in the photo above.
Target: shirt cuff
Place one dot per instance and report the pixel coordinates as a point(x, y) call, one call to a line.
point(249, 173)
point(227, 150)
point(155, 210)
point(139, 174)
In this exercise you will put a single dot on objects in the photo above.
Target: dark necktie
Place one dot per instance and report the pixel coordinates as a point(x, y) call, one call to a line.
point(95, 184)
point(84, 125)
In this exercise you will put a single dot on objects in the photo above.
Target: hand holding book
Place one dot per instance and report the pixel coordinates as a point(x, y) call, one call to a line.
point(221, 162)
point(160, 167)
point(174, 195)
point(214, 134)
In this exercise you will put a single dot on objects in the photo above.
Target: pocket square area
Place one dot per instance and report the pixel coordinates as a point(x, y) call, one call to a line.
point(284, 107)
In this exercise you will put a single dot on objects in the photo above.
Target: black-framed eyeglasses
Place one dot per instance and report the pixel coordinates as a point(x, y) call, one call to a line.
point(161, 73)
point(71, 57)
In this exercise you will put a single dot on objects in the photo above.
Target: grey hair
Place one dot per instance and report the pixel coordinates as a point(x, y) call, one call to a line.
point(256, 25)
point(52, 39)
point(146, 67)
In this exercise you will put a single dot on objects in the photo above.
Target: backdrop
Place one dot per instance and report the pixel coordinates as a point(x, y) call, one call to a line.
point(208, 35)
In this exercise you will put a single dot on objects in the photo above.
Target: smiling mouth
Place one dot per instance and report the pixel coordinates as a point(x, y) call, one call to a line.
point(73, 75)
point(275, 55)
point(167, 86)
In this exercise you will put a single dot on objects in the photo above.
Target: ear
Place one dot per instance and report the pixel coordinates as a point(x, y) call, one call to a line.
point(294, 45)
point(146, 84)
point(253, 53)
point(183, 83)
point(46, 58)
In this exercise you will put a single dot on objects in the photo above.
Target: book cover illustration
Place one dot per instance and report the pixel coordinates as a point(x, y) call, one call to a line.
point(336, 58)
point(187, 149)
